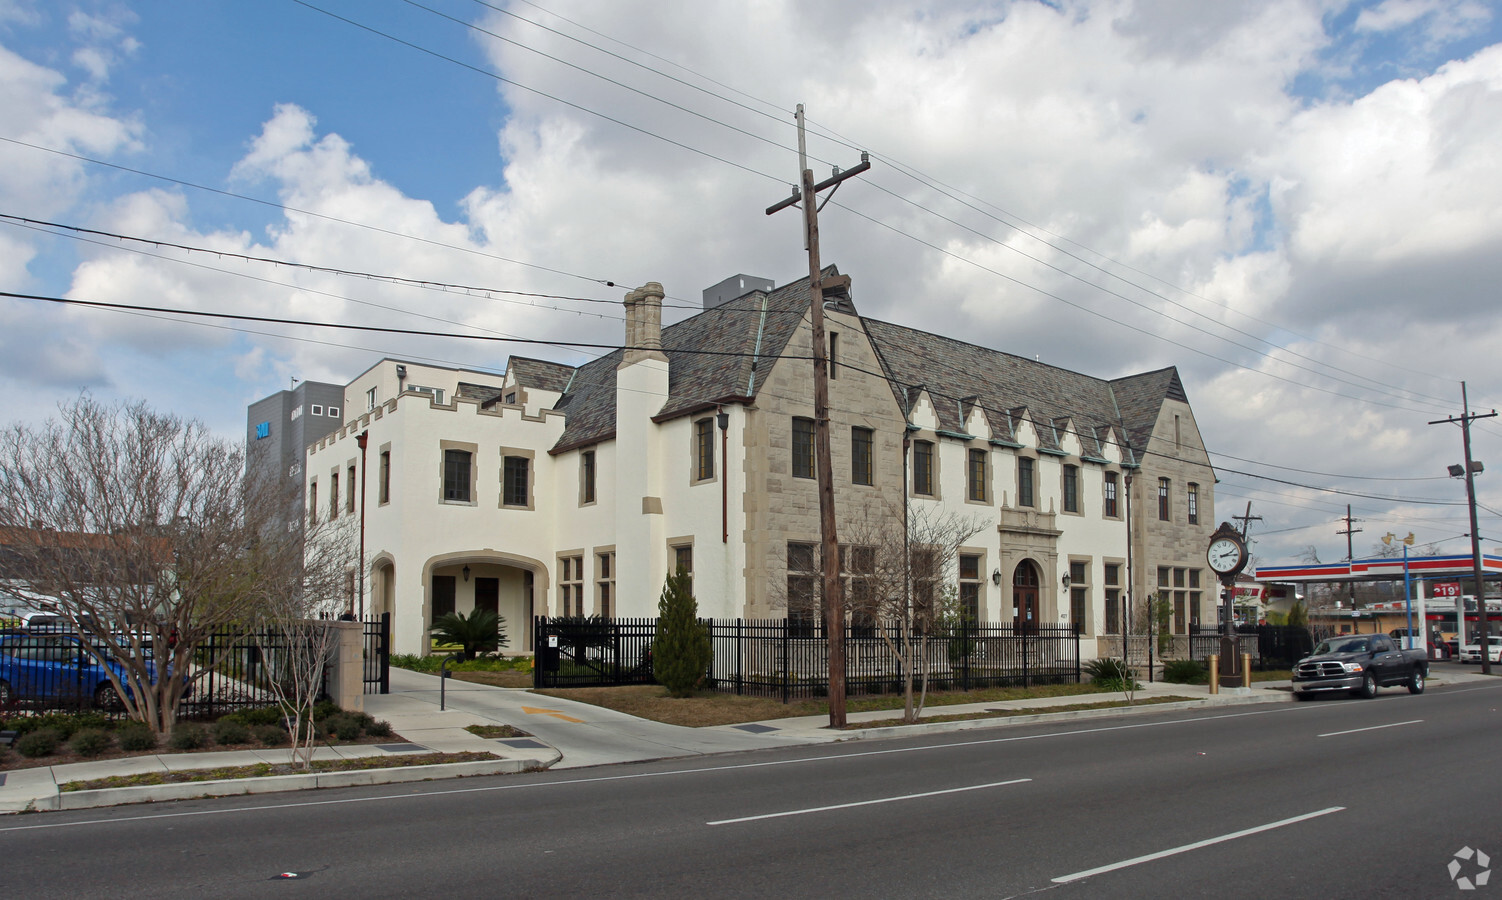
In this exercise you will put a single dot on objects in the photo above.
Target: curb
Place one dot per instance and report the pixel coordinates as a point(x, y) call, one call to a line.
point(890, 731)
point(230, 787)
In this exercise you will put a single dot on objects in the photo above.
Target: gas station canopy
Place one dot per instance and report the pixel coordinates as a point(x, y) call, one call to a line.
point(1382, 568)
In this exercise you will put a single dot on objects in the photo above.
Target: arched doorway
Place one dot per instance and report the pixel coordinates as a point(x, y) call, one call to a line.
point(1025, 595)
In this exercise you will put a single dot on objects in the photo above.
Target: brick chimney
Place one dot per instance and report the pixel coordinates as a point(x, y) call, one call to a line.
point(644, 324)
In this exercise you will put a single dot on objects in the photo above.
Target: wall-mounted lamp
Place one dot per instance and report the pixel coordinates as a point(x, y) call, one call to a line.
point(465, 573)
point(996, 578)
point(722, 419)
point(1066, 581)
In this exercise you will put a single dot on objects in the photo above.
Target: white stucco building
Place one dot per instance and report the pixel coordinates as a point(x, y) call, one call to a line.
point(556, 490)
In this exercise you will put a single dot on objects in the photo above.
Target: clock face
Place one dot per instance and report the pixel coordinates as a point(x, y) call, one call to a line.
point(1224, 555)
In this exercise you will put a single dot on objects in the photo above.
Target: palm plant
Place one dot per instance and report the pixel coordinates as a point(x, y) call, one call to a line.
point(482, 631)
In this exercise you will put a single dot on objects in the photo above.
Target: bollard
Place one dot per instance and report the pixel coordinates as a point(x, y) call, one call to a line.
point(1215, 673)
point(1246, 670)
point(443, 682)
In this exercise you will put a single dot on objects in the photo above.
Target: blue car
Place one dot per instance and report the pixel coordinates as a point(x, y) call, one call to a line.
point(55, 669)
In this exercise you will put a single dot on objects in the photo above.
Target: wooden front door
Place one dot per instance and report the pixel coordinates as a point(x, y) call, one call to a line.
point(1025, 595)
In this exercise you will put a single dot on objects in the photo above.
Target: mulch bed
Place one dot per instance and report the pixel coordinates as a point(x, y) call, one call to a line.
point(263, 770)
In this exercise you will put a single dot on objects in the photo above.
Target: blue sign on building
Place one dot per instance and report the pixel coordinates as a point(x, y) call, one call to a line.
point(263, 430)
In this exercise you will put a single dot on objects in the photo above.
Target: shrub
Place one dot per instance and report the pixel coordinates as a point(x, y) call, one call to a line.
point(188, 737)
point(135, 737)
point(1184, 671)
point(344, 727)
point(260, 715)
point(1111, 674)
point(682, 652)
point(378, 729)
point(229, 731)
point(41, 742)
point(481, 631)
point(91, 742)
point(65, 724)
point(324, 709)
point(271, 735)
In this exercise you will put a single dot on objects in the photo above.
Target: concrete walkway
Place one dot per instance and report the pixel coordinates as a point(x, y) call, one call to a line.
point(565, 734)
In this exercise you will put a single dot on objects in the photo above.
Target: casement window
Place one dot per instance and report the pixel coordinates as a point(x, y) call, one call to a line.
point(515, 487)
point(333, 496)
point(370, 399)
point(683, 560)
point(1079, 593)
point(975, 476)
point(803, 447)
point(587, 476)
point(923, 468)
point(571, 586)
point(834, 354)
point(385, 478)
point(605, 582)
point(861, 469)
point(970, 582)
point(1193, 495)
point(1071, 489)
point(1113, 598)
point(803, 575)
point(1026, 481)
point(313, 502)
point(511, 398)
point(457, 476)
point(704, 449)
point(443, 596)
point(1194, 596)
point(924, 564)
point(1110, 485)
point(349, 499)
point(1163, 499)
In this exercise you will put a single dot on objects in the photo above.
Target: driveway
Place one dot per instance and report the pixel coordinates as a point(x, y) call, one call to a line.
point(586, 735)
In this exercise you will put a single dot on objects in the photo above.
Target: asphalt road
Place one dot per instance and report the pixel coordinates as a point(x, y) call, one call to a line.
point(1332, 798)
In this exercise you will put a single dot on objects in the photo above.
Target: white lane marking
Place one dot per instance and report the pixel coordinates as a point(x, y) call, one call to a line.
point(814, 809)
point(1372, 728)
point(1065, 879)
point(603, 778)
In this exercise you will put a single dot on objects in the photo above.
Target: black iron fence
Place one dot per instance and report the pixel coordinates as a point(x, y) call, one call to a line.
point(1270, 646)
point(779, 658)
point(56, 669)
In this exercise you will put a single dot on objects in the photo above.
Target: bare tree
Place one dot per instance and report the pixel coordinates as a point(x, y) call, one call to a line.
point(139, 529)
point(900, 585)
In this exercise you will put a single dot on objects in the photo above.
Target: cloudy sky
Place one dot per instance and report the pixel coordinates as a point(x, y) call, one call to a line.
point(1297, 203)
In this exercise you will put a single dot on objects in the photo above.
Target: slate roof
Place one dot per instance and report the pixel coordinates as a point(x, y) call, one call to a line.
point(746, 335)
point(482, 392)
point(741, 336)
point(539, 373)
point(959, 376)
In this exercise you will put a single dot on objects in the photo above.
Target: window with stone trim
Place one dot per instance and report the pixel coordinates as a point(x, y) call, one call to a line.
point(975, 475)
point(349, 500)
point(571, 585)
point(1112, 578)
point(515, 481)
point(970, 582)
point(333, 496)
point(385, 477)
point(1026, 481)
point(1110, 487)
point(703, 449)
point(861, 468)
point(605, 582)
point(1163, 500)
point(1071, 489)
point(683, 560)
point(803, 447)
point(1079, 594)
point(456, 476)
point(1193, 496)
point(923, 468)
point(587, 476)
point(802, 579)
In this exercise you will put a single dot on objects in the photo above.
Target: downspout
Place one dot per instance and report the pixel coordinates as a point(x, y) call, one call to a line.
point(722, 418)
point(361, 440)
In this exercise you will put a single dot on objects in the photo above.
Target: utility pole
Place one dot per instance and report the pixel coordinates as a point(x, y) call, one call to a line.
point(1247, 520)
point(834, 607)
point(1483, 635)
point(1351, 585)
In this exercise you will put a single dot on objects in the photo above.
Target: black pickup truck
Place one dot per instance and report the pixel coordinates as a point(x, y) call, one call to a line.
point(1359, 663)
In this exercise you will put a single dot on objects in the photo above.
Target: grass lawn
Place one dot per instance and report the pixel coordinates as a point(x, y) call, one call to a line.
point(497, 679)
point(1006, 713)
point(709, 708)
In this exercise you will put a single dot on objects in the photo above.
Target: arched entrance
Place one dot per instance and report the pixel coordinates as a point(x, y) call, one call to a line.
point(1025, 595)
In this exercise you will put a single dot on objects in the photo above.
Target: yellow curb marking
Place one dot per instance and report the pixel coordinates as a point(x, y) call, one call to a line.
point(534, 711)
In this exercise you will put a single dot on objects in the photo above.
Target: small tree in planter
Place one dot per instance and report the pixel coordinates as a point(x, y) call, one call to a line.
point(682, 652)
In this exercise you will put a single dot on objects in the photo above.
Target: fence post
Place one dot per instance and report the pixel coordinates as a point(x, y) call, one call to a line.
point(740, 655)
point(965, 651)
point(385, 652)
point(1077, 629)
point(787, 664)
point(1025, 668)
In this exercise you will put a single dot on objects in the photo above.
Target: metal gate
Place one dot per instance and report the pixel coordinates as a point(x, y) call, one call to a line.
point(376, 664)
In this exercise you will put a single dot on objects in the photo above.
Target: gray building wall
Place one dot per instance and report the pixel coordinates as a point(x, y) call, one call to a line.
point(278, 430)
